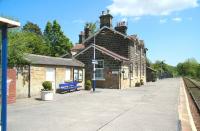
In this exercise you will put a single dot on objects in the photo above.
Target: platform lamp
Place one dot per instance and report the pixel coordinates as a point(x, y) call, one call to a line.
point(4, 25)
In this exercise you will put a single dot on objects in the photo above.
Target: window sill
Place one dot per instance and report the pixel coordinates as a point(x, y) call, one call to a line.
point(99, 79)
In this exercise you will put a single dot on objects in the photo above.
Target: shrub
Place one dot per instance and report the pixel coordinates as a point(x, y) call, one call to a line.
point(141, 82)
point(137, 84)
point(88, 85)
point(47, 85)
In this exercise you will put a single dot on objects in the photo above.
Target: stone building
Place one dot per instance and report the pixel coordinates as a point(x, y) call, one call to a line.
point(121, 58)
point(44, 68)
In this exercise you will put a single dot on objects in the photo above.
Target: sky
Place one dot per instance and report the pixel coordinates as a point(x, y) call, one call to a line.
point(169, 28)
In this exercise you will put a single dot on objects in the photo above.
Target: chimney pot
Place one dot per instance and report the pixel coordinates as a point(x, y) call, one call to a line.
point(108, 11)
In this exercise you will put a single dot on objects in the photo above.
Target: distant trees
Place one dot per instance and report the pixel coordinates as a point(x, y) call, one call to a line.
point(163, 69)
point(30, 39)
point(189, 68)
point(92, 26)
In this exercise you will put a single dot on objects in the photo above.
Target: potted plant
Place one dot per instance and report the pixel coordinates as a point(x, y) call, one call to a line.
point(47, 92)
point(141, 82)
point(88, 85)
point(137, 84)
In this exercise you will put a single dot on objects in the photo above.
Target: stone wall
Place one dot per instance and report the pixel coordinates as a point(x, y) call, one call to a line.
point(111, 41)
point(110, 80)
point(37, 77)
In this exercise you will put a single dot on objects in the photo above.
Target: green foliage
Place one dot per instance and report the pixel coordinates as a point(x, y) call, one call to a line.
point(58, 42)
point(47, 85)
point(29, 39)
point(21, 42)
point(31, 27)
point(88, 85)
point(163, 69)
point(190, 68)
point(92, 26)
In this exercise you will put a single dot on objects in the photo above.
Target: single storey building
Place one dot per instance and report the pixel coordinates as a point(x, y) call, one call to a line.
point(46, 68)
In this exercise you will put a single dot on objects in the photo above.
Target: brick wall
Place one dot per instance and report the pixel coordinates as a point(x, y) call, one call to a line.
point(12, 86)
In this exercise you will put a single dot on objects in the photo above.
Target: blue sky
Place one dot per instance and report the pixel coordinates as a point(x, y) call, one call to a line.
point(170, 28)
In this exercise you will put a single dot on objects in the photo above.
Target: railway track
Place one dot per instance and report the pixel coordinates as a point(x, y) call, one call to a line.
point(193, 89)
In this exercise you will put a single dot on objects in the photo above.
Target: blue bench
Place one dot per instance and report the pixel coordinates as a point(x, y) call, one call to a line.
point(68, 86)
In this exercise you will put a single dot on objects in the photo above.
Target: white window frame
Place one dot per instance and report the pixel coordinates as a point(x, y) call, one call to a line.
point(79, 74)
point(101, 70)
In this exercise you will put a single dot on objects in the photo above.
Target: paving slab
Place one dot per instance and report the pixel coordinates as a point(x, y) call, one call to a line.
point(153, 107)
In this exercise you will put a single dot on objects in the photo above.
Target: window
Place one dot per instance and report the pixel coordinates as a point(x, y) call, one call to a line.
point(99, 74)
point(78, 74)
point(80, 77)
point(75, 74)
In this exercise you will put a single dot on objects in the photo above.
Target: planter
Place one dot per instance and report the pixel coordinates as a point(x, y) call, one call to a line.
point(47, 95)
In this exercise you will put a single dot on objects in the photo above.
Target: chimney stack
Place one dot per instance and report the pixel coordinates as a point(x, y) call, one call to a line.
point(106, 19)
point(121, 27)
point(81, 37)
point(87, 31)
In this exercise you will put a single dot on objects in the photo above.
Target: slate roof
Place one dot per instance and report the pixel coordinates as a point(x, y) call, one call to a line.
point(105, 51)
point(47, 60)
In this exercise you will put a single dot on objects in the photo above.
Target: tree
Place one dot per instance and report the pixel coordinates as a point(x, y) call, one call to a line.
point(189, 68)
point(21, 42)
point(31, 27)
point(92, 26)
point(58, 42)
point(164, 70)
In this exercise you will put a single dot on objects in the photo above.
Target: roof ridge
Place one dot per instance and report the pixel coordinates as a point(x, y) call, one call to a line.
point(44, 56)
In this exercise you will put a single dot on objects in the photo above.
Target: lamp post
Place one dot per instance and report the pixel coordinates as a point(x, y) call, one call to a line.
point(94, 69)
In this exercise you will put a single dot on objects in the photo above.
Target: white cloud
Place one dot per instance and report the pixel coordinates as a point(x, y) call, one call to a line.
point(177, 19)
point(162, 21)
point(149, 7)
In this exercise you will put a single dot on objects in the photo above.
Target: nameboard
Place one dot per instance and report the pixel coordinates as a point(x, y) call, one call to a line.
point(115, 72)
